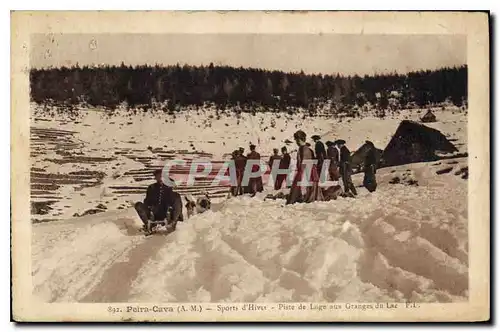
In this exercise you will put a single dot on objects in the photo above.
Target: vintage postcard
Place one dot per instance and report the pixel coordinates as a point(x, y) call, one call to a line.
point(250, 166)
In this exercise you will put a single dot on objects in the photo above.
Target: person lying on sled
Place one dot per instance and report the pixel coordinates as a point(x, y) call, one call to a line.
point(159, 198)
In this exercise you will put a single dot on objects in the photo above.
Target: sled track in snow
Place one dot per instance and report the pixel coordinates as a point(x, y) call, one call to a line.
point(108, 289)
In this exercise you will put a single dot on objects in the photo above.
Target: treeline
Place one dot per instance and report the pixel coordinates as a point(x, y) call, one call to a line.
point(109, 86)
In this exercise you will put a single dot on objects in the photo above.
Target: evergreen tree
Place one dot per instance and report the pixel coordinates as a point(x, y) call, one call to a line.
point(109, 86)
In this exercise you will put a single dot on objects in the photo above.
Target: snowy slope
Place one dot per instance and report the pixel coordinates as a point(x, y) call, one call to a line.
point(403, 242)
point(81, 161)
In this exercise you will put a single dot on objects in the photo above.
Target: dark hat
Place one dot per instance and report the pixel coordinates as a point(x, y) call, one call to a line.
point(339, 141)
point(315, 137)
point(328, 143)
point(299, 135)
point(370, 143)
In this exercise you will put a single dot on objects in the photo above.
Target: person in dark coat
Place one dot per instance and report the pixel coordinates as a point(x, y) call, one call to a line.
point(234, 158)
point(245, 189)
point(319, 151)
point(370, 168)
point(255, 184)
point(312, 192)
point(240, 164)
point(158, 202)
point(284, 164)
point(345, 168)
point(274, 157)
point(332, 153)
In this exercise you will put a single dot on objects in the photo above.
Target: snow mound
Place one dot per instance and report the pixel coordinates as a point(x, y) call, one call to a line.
point(377, 247)
point(70, 258)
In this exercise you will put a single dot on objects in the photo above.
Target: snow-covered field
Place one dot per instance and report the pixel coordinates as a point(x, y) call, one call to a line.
point(79, 163)
point(403, 242)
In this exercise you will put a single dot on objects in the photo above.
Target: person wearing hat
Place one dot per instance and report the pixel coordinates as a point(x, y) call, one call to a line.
point(370, 168)
point(159, 198)
point(284, 164)
point(332, 153)
point(234, 158)
point(275, 156)
point(319, 150)
point(313, 191)
point(255, 184)
point(241, 164)
point(345, 168)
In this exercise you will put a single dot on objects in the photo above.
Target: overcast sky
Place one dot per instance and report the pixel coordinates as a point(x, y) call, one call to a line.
point(326, 54)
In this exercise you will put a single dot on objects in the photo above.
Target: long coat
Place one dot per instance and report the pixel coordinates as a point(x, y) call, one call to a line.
point(159, 197)
point(346, 170)
point(332, 154)
point(255, 184)
point(313, 192)
point(272, 159)
point(284, 164)
point(285, 161)
point(370, 168)
point(319, 150)
point(345, 155)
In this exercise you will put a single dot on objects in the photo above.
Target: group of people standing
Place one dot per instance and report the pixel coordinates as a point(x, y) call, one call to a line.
point(165, 205)
point(284, 163)
point(255, 184)
point(339, 168)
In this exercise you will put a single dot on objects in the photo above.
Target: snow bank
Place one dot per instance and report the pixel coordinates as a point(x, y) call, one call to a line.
point(256, 250)
point(70, 258)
